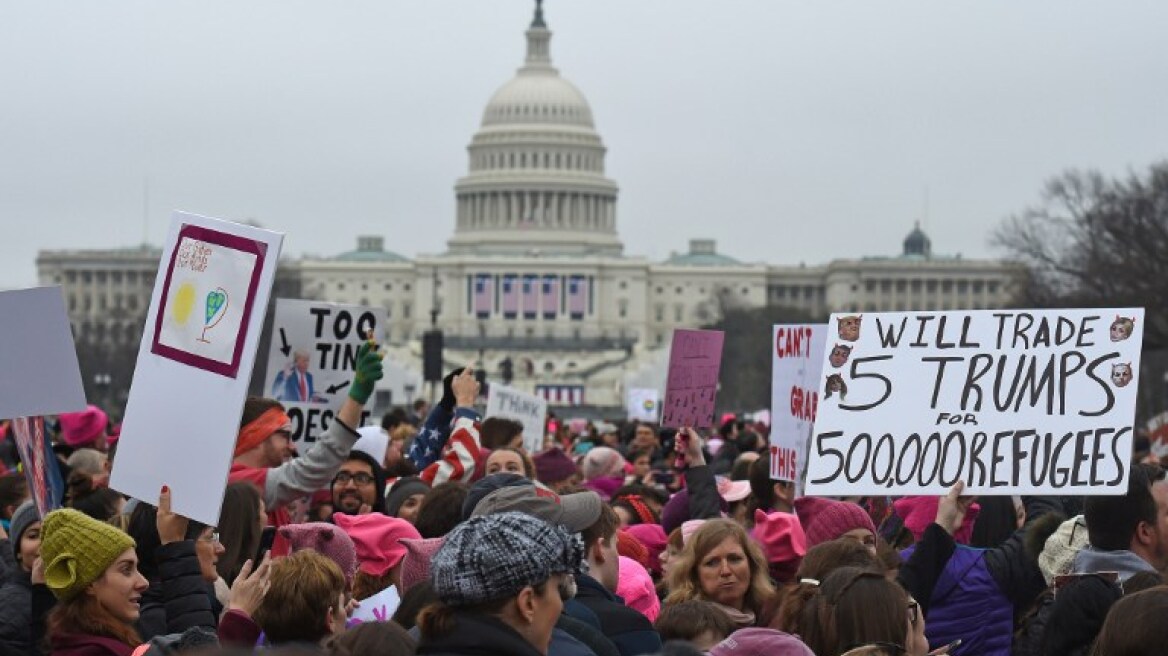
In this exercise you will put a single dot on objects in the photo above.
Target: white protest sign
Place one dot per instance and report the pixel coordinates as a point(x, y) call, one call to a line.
point(1009, 401)
point(312, 358)
point(797, 363)
point(194, 363)
point(38, 362)
point(528, 409)
point(643, 404)
point(378, 608)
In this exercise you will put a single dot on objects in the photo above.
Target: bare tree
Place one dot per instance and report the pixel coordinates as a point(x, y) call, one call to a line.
point(1095, 242)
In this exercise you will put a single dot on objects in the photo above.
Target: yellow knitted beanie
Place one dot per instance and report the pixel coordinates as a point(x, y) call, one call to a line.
point(77, 549)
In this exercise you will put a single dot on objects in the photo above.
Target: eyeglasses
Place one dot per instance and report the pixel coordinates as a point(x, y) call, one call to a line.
point(567, 587)
point(914, 611)
point(360, 479)
point(212, 537)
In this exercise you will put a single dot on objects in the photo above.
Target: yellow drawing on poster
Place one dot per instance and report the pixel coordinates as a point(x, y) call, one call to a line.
point(183, 303)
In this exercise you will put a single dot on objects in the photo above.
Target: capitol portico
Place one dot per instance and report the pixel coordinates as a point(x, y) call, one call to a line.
point(535, 271)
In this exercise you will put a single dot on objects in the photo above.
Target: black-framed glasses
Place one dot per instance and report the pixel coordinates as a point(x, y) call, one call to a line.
point(360, 478)
point(914, 611)
point(211, 537)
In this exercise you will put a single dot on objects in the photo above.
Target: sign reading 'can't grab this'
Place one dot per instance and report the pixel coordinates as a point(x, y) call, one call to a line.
point(1009, 401)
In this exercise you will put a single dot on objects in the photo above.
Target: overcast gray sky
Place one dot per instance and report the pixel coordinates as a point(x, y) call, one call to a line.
point(788, 131)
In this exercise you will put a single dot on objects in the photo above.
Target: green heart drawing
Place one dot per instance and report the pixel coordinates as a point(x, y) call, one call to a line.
point(215, 302)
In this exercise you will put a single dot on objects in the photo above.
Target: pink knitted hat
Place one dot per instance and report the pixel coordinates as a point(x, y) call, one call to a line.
point(636, 587)
point(689, 527)
point(782, 539)
point(80, 429)
point(919, 512)
point(325, 539)
point(827, 519)
point(376, 537)
point(416, 564)
point(654, 539)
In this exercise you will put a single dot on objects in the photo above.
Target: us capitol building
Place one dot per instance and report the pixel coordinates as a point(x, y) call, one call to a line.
point(536, 272)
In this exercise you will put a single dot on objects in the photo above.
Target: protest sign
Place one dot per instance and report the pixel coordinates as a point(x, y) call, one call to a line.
point(38, 361)
point(795, 373)
point(40, 463)
point(695, 357)
point(312, 358)
point(643, 404)
point(1009, 401)
point(194, 362)
point(378, 608)
point(528, 409)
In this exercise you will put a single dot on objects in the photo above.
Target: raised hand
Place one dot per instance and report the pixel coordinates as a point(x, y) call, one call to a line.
point(171, 527)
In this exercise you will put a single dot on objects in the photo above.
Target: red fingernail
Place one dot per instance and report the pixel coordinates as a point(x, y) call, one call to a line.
point(165, 489)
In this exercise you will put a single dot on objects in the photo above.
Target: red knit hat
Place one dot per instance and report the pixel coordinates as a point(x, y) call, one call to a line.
point(630, 547)
point(80, 429)
point(827, 519)
point(919, 512)
point(782, 539)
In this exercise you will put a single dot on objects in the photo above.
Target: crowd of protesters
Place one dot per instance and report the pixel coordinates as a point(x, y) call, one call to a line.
point(610, 540)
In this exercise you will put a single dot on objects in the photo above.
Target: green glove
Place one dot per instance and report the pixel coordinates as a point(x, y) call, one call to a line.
point(368, 373)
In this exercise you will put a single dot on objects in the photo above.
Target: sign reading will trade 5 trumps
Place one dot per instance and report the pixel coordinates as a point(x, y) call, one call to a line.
point(1009, 401)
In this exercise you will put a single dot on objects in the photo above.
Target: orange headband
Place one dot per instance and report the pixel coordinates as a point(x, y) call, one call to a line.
point(259, 429)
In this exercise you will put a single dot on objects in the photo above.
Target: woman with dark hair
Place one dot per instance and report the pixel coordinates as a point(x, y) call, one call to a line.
point(17, 594)
point(381, 638)
point(855, 607)
point(92, 570)
point(722, 564)
point(767, 494)
point(177, 557)
point(241, 526)
point(441, 509)
point(501, 581)
point(100, 503)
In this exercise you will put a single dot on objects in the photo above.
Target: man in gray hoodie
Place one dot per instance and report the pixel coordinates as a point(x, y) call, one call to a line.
point(1127, 535)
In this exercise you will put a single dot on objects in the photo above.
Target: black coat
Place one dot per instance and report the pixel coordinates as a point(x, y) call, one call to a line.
point(629, 630)
point(16, 636)
point(178, 600)
point(475, 634)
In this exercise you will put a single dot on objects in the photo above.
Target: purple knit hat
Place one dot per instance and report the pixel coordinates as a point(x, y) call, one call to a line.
point(676, 510)
point(824, 520)
point(754, 641)
point(553, 466)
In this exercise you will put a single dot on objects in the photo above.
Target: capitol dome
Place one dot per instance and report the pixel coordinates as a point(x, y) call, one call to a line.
point(536, 180)
point(538, 97)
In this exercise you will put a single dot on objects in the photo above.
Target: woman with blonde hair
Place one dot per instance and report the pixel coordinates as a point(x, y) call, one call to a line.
point(721, 564)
